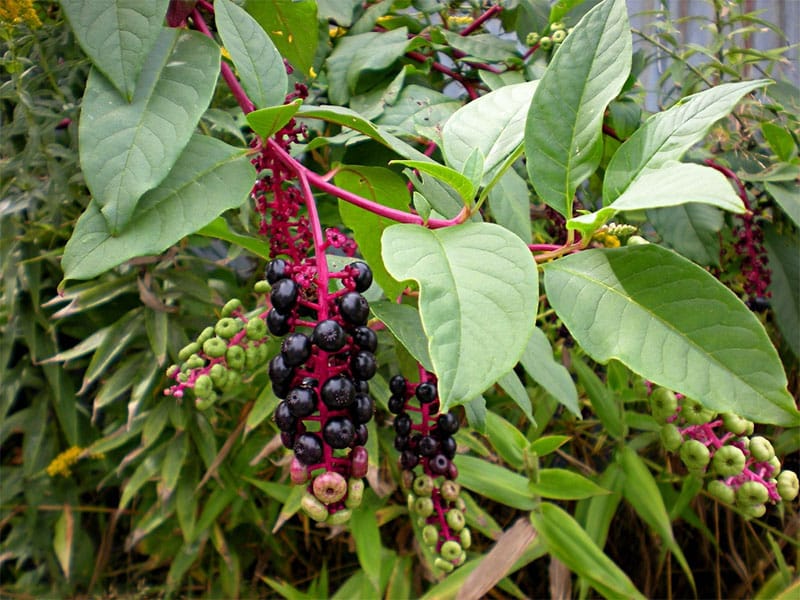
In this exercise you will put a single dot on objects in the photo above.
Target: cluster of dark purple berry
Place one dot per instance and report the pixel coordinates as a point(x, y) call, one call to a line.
point(427, 442)
point(321, 378)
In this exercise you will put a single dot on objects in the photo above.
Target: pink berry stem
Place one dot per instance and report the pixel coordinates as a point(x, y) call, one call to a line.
point(481, 20)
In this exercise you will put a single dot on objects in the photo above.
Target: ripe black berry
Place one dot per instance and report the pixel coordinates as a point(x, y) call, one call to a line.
point(427, 445)
point(426, 393)
point(296, 349)
point(354, 308)
point(362, 433)
point(447, 446)
point(402, 424)
point(302, 401)
point(338, 392)
point(281, 389)
point(401, 443)
point(363, 365)
point(308, 449)
point(362, 409)
point(284, 418)
point(284, 295)
point(363, 277)
point(365, 338)
point(288, 438)
point(276, 270)
point(439, 464)
point(339, 432)
point(279, 371)
point(396, 404)
point(446, 424)
point(408, 460)
point(277, 323)
point(362, 387)
point(397, 385)
point(329, 336)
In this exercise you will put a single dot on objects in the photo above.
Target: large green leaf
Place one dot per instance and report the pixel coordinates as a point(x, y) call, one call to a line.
point(691, 230)
point(673, 323)
point(494, 482)
point(367, 536)
point(404, 323)
point(117, 35)
point(510, 203)
point(494, 124)
point(563, 142)
point(667, 135)
point(259, 64)
point(292, 26)
point(128, 148)
point(785, 194)
point(568, 542)
point(209, 178)
point(478, 296)
point(485, 46)
point(539, 363)
point(267, 121)
point(784, 263)
point(565, 485)
point(460, 183)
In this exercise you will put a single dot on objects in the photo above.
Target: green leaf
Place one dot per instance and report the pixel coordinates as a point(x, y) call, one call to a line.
point(143, 473)
point(561, 8)
point(129, 148)
point(120, 334)
point(784, 262)
point(569, 543)
point(606, 405)
point(259, 64)
point(565, 485)
point(671, 322)
point(478, 296)
point(780, 140)
point(461, 184)
point(671, 185)
point(367, 536)
point(263, 407)
point(266, 121)
point(563, 140)
point(219, 229)
point(292, 26)
point(509, 201)
point(494, 482)
point(485, 46)
point(493, 124)
point(155, 323)
point(174, 459)
point(209, 178)
point(692, 230)
point(785, 194)
point(539, 363)
point(63, 538)
point(548, 444)
point(117, 35)
point(405, 324)
point(506, 439)
point(386, 188)
point(418, 110)
point(516, 391)
point(641, 491)
point(667, 135)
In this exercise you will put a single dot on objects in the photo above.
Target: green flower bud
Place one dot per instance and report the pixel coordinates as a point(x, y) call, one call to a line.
point(215, 347)
point(218, 374)
point(728, 461)
point(340, 517)
point(695, 455)
point(423, 485)
point(671, 437)
point(188, 350)
point(262, 287)
point(751, 493)
point(761, 449)
point(663, 404)
point(450, 550)
point(460, 504)
point(466, 538)
point(722, 491)
point(230, 307)
point(251, 356)
point(173, 370)
point(423, 506)
point(429, 535)
point(461, 559)
point(256, 328)
point(695, 413)
point(227, 327)
point(559, 36)
point(788, 485)
point(443, 565)
point(455, 519)
point(314, 508)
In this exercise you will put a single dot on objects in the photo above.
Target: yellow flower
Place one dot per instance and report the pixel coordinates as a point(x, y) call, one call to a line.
point(61, 464)
point(611, 241)
point(15, 12)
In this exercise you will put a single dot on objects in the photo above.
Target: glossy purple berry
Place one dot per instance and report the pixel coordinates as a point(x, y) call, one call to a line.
point(427, 445)
point(284, 295)
point(288, 439)
point(329, 336)
point(363, 275)
point(276, 270)
point(426, 393)
point(279, 371)
point(397, 385)
point(446, 424)
point(362, 434)
point(308, 449)
point(338, 392)
point(281, 389)
point(396, 404)
point(408, 460)
point(363, 408)
point(402, 424)
point(401, 443)
point(296, 349)
point(354, 308)
point(447, 446)
point(365, 338)
point(302, 401)
point(277, 323)
point(363, 365)
point(339, 432)
point(439, 464)
point(284, 418)
point(362, 387)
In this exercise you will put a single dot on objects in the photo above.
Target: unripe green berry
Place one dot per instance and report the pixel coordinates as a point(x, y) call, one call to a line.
point(461, 559)
point(206, 334)
point(423, 485)
point(227, 327)
point(788, 485)
point(722, 491)
point(663, 404)
point(262, 287)
point(634, 240)
point(423, 506)
point(751, 493)
point(194, 362)
point(532, 38)
point(728, 461)
point(340, 517)
point(775, 463)
point(761, 449)
point(559, 36)
point(256, 328)
point(234, 357)
point(188, 350)
point(546, 42)
point(443, 565)
point(251, 358)
point(460, 504)
point(455, 519)
point(450, 550)
point(671, 437)
point(215, 347)
point(207, 402)
point(736, 425)
point(173, 370)
point(429, 535)
point(695, 455)
point(203, 386)
point(314, 508)
point(450, 490)
point(754, 511)
point(557, 26)
point(230, 307)
point(355, 492)
point(695, 413)
point(218, 373)
point(466, 538)
point(410, 502)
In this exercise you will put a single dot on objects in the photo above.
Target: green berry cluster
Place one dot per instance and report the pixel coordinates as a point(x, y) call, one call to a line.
point(222, 354)
point(555, 34)
point(439, 510)
point(742, 469)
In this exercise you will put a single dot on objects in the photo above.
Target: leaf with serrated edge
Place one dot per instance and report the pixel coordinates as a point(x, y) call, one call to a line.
point(563, 143)
point(493, 124)
point(117, 35)
point(128, 148)
point(209, 178)
point(671, 322)
point(259, 64)
point(478, 297)
point(667, 135)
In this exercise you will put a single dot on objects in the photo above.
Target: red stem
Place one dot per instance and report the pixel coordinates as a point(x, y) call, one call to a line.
point(481, 20)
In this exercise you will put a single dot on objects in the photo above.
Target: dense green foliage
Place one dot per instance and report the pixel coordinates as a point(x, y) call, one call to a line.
point(559, 252)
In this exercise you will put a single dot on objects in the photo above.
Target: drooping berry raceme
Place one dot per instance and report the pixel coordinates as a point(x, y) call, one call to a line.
point(321, 376)
point(743, 470)
point(427, 447)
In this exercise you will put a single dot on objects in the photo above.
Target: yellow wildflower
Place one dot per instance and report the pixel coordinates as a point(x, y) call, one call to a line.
point(61, 464)
point(312, 73)
point(15, 12)
point(464, 20)
point(611, 241)
point(335, 32)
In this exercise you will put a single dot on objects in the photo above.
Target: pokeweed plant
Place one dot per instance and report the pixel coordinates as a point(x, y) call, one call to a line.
point(517, 222)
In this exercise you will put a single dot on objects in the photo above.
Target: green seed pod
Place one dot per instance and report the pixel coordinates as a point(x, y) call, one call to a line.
point(195, 362)
point(788, 485)
point(203, 386)
point(455, 519)
point(207, 402)
point(227, 327)
point(754, 511)
point(671, 437)
point(532, 38)
point(218, 373)
point(423, 506)
point(251, 358)
point(355, 492)
point(751, 493)
point(721, 491)
point(728, 461)
point(235, 357)
point(466, 538)
point(423, 485)
point(206, 334)
point(546, 43)
point(663, 404)
point(775, 463)
point(450, 550)
point(461, 558)
point(314, 508)
point(215, 347)
point(230, 307)
point(232, 379)
point(695, 455)
point(460, 504)
point(559, 36)
point(256, 328)
point(450, 490)
point(429, 535)
point(695, 413)
point(443, 565)
point(761, 449)
point(736, 424)
point(262, 287)
point(188, 350)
